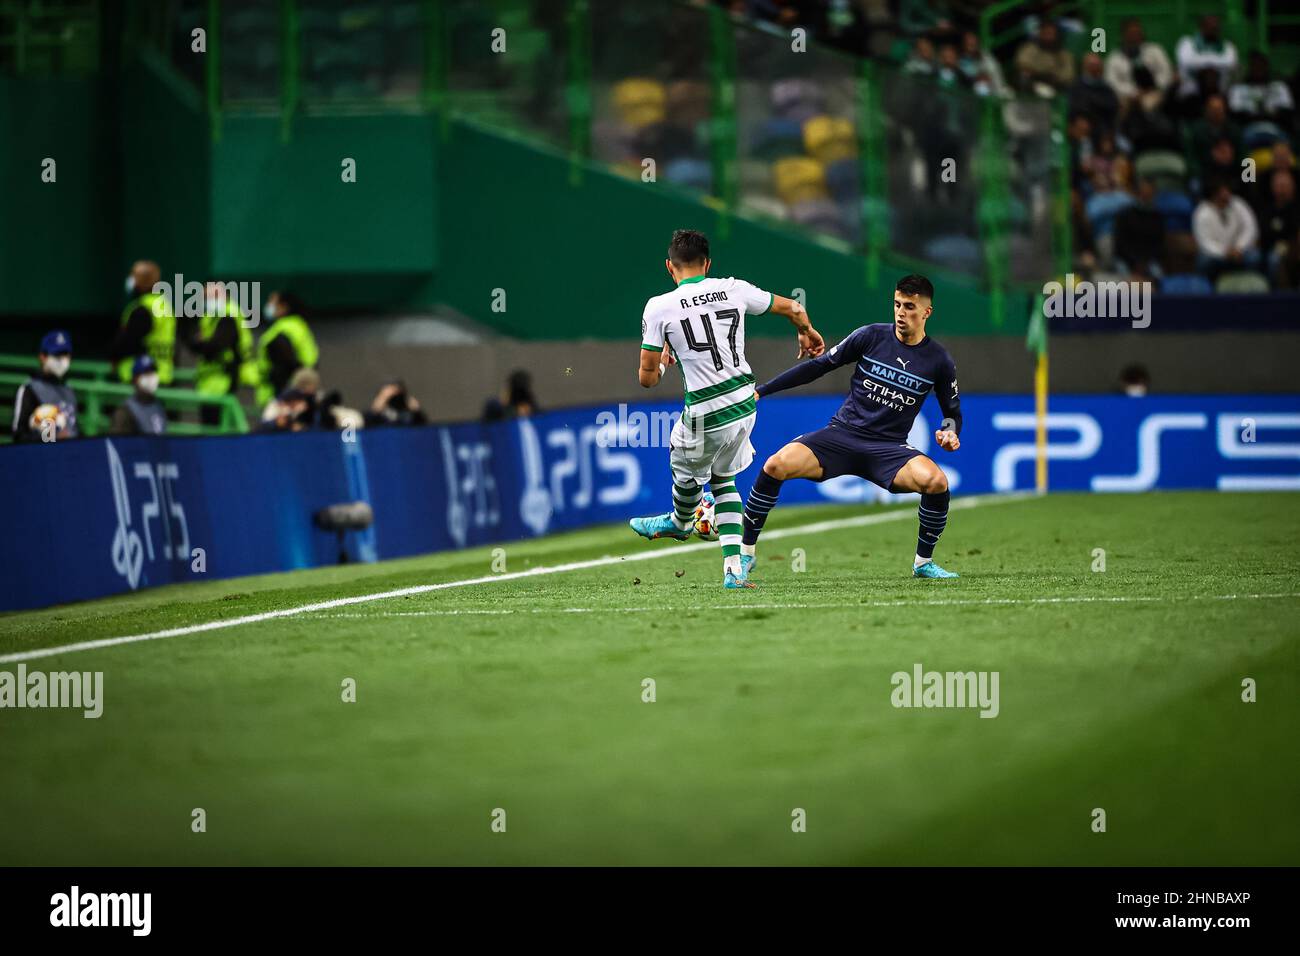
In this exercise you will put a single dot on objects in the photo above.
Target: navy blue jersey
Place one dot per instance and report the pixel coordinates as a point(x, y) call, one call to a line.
point(890, 381)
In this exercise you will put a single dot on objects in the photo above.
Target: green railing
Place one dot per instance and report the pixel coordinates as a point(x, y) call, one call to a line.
point(95, 371)
point(95, 399)
point(98, 389)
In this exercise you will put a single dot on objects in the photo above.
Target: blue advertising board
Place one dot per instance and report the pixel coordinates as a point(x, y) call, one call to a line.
point(102, 516)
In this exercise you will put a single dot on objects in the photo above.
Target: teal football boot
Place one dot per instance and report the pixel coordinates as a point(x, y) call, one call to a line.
point(660, 526)
point(931, 570)
point(734, 582)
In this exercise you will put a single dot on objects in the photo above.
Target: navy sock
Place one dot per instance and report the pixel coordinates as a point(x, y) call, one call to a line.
point(934, 515)
point(762, 499)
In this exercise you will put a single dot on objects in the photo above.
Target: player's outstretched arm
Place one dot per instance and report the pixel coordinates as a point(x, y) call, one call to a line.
point(810, 340)
point(850, 350)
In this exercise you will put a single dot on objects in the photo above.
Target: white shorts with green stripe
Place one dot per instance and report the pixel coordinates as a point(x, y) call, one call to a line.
point(697, 454)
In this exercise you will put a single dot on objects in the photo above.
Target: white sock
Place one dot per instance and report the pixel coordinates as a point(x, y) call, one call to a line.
point(747, 549)
point(920, 561)
point(731, 564)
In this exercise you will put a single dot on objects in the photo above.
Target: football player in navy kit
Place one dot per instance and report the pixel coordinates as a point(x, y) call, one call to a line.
point(897, 366)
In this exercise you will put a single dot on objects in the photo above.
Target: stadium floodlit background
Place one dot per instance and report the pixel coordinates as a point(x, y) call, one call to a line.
point(473, 198)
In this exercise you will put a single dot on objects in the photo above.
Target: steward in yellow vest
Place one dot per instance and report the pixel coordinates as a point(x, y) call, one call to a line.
point(224, 346)
point(148, 326)
point(286, 346)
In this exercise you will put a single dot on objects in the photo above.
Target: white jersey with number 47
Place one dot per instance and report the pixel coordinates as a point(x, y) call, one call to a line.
point(703, 323)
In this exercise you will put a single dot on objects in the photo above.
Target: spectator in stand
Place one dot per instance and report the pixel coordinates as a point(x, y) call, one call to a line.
point(1279, 219)
point(394, 405)
point(515, 401)
point(949, 73)
point(1181, 277)
point(1107, 201)
point(1227, 236)
point(1205, 51)
point(1043, 65)
point(1135, 54)
point(921, 61)
point(1283, 156)
point(1145, 124)
point(1079, 134)
point(1140, 233)
point(142, 413)
point(1092, 95)
point(1135, 381)
point(1258, 97)
point(1212, 126)
point(1107, 160)
point(1221, 163)
point(982, 70)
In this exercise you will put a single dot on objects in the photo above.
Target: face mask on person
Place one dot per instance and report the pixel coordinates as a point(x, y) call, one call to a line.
point(268, 310)
point(148, 383)
point(130, 285)
point(57, 365)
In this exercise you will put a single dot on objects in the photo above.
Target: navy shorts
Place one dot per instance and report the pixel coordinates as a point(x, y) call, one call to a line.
point(843, 453)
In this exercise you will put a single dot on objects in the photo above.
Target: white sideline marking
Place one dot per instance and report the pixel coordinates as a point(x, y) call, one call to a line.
point(815, 527)
point(730, 608)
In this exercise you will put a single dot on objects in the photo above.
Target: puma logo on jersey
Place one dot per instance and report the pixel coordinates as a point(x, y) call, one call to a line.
point(902, 363)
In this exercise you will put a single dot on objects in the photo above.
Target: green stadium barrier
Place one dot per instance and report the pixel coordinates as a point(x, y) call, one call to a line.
point(95, 396)
point(92, 369)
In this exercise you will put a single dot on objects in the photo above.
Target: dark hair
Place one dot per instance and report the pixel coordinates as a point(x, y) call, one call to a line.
point(688, 247)
point(519, 388)
point(293, 305)
point(915, 285)
point(1133, 374)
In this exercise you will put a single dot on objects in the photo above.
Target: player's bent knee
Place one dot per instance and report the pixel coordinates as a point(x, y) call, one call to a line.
point(934, 483)
point(776, 468)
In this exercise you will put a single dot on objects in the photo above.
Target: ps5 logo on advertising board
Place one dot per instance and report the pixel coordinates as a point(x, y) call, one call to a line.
point(1086, 444)
point(130, 546)
point(472, 497)
point(576, 477)
point(587, 470)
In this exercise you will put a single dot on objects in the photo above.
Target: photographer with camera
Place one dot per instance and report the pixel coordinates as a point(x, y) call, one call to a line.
point(394, 405)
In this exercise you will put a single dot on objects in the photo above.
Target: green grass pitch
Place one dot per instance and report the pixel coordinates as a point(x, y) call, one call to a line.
point(1119, 690)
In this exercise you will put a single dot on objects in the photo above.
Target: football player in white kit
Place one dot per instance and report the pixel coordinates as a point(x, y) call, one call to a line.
point(700, 326)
